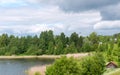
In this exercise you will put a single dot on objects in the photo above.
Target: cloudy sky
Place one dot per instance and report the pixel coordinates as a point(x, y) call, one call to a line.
point(29, 17)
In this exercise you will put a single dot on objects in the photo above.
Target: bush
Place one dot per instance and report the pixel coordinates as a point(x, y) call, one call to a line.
point(92, 65)
point(64, 66)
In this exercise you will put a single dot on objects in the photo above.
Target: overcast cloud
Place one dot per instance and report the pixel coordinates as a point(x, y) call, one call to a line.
point(82, 16)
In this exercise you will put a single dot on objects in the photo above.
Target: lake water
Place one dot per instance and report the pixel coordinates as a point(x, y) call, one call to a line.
point(19, 66)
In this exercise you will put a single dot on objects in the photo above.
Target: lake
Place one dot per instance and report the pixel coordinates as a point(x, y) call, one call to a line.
point(19, 66)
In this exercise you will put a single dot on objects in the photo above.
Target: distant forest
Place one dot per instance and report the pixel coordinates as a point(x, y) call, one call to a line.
point(50, 44)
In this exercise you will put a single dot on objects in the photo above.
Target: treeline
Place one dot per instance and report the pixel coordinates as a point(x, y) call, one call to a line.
point(48, 43)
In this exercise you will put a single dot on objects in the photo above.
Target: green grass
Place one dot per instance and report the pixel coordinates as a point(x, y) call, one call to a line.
point(116, 73)
point(112, 72)
point(37, 73)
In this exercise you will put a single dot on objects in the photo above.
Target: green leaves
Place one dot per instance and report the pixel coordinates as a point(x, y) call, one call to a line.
point(93, 65)
point(64, 66)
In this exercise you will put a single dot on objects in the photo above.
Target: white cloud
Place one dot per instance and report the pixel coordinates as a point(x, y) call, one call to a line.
point(107, 25)
point(25, 29)
point(34, 16)
point(51, 16)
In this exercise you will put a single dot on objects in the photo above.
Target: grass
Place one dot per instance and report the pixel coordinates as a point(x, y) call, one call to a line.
point(112, 72)
point(37, 73)
point(116, 73)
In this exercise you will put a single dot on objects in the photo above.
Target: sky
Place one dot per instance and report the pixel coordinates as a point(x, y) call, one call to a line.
point(30, 17)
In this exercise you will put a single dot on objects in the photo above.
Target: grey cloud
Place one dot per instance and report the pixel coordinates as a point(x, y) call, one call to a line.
point(48, 2)
point(111, 13)
point(85, 5)
point(109, 9)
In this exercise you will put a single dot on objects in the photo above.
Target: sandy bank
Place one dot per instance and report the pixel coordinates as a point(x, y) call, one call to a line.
point(44, 56)
point(30, 57)
point(40, 69)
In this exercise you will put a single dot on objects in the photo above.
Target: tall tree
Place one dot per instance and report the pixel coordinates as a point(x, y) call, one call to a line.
point(63, 39)
point(4, 41)
point(74, 38)
point(94, 38)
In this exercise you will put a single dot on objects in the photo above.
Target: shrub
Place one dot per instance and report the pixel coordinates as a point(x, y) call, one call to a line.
point(94, 65)
point(64, 66)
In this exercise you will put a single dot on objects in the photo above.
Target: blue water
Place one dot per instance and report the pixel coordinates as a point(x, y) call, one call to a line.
point(19, 66)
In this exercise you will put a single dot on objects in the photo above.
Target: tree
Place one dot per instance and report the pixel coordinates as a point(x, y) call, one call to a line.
point(50, 36)
point(63, 39)
point(22, 45)
point(80, 44)
point(87, 46)
point(45, 38)
point(43, 41)
point(74, 38)
point(4, 41)
point(94, 38)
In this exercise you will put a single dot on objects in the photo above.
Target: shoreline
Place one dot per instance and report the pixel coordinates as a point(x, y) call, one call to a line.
point(31, 57)
point(76, 55)
point(37, 69)
point(42, 69)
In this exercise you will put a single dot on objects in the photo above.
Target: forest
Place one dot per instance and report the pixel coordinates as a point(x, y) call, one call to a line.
point(50, 44)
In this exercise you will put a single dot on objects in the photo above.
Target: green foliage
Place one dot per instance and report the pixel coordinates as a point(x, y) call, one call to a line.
point(48, 43)
point(33, 50)
point(70, 49)
point(87, 46)
point(94, 38)
point(59, 47)
point(50, 48)
point(63, 39)
point(64, 66)
point(4, 40)
point(94, 65)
